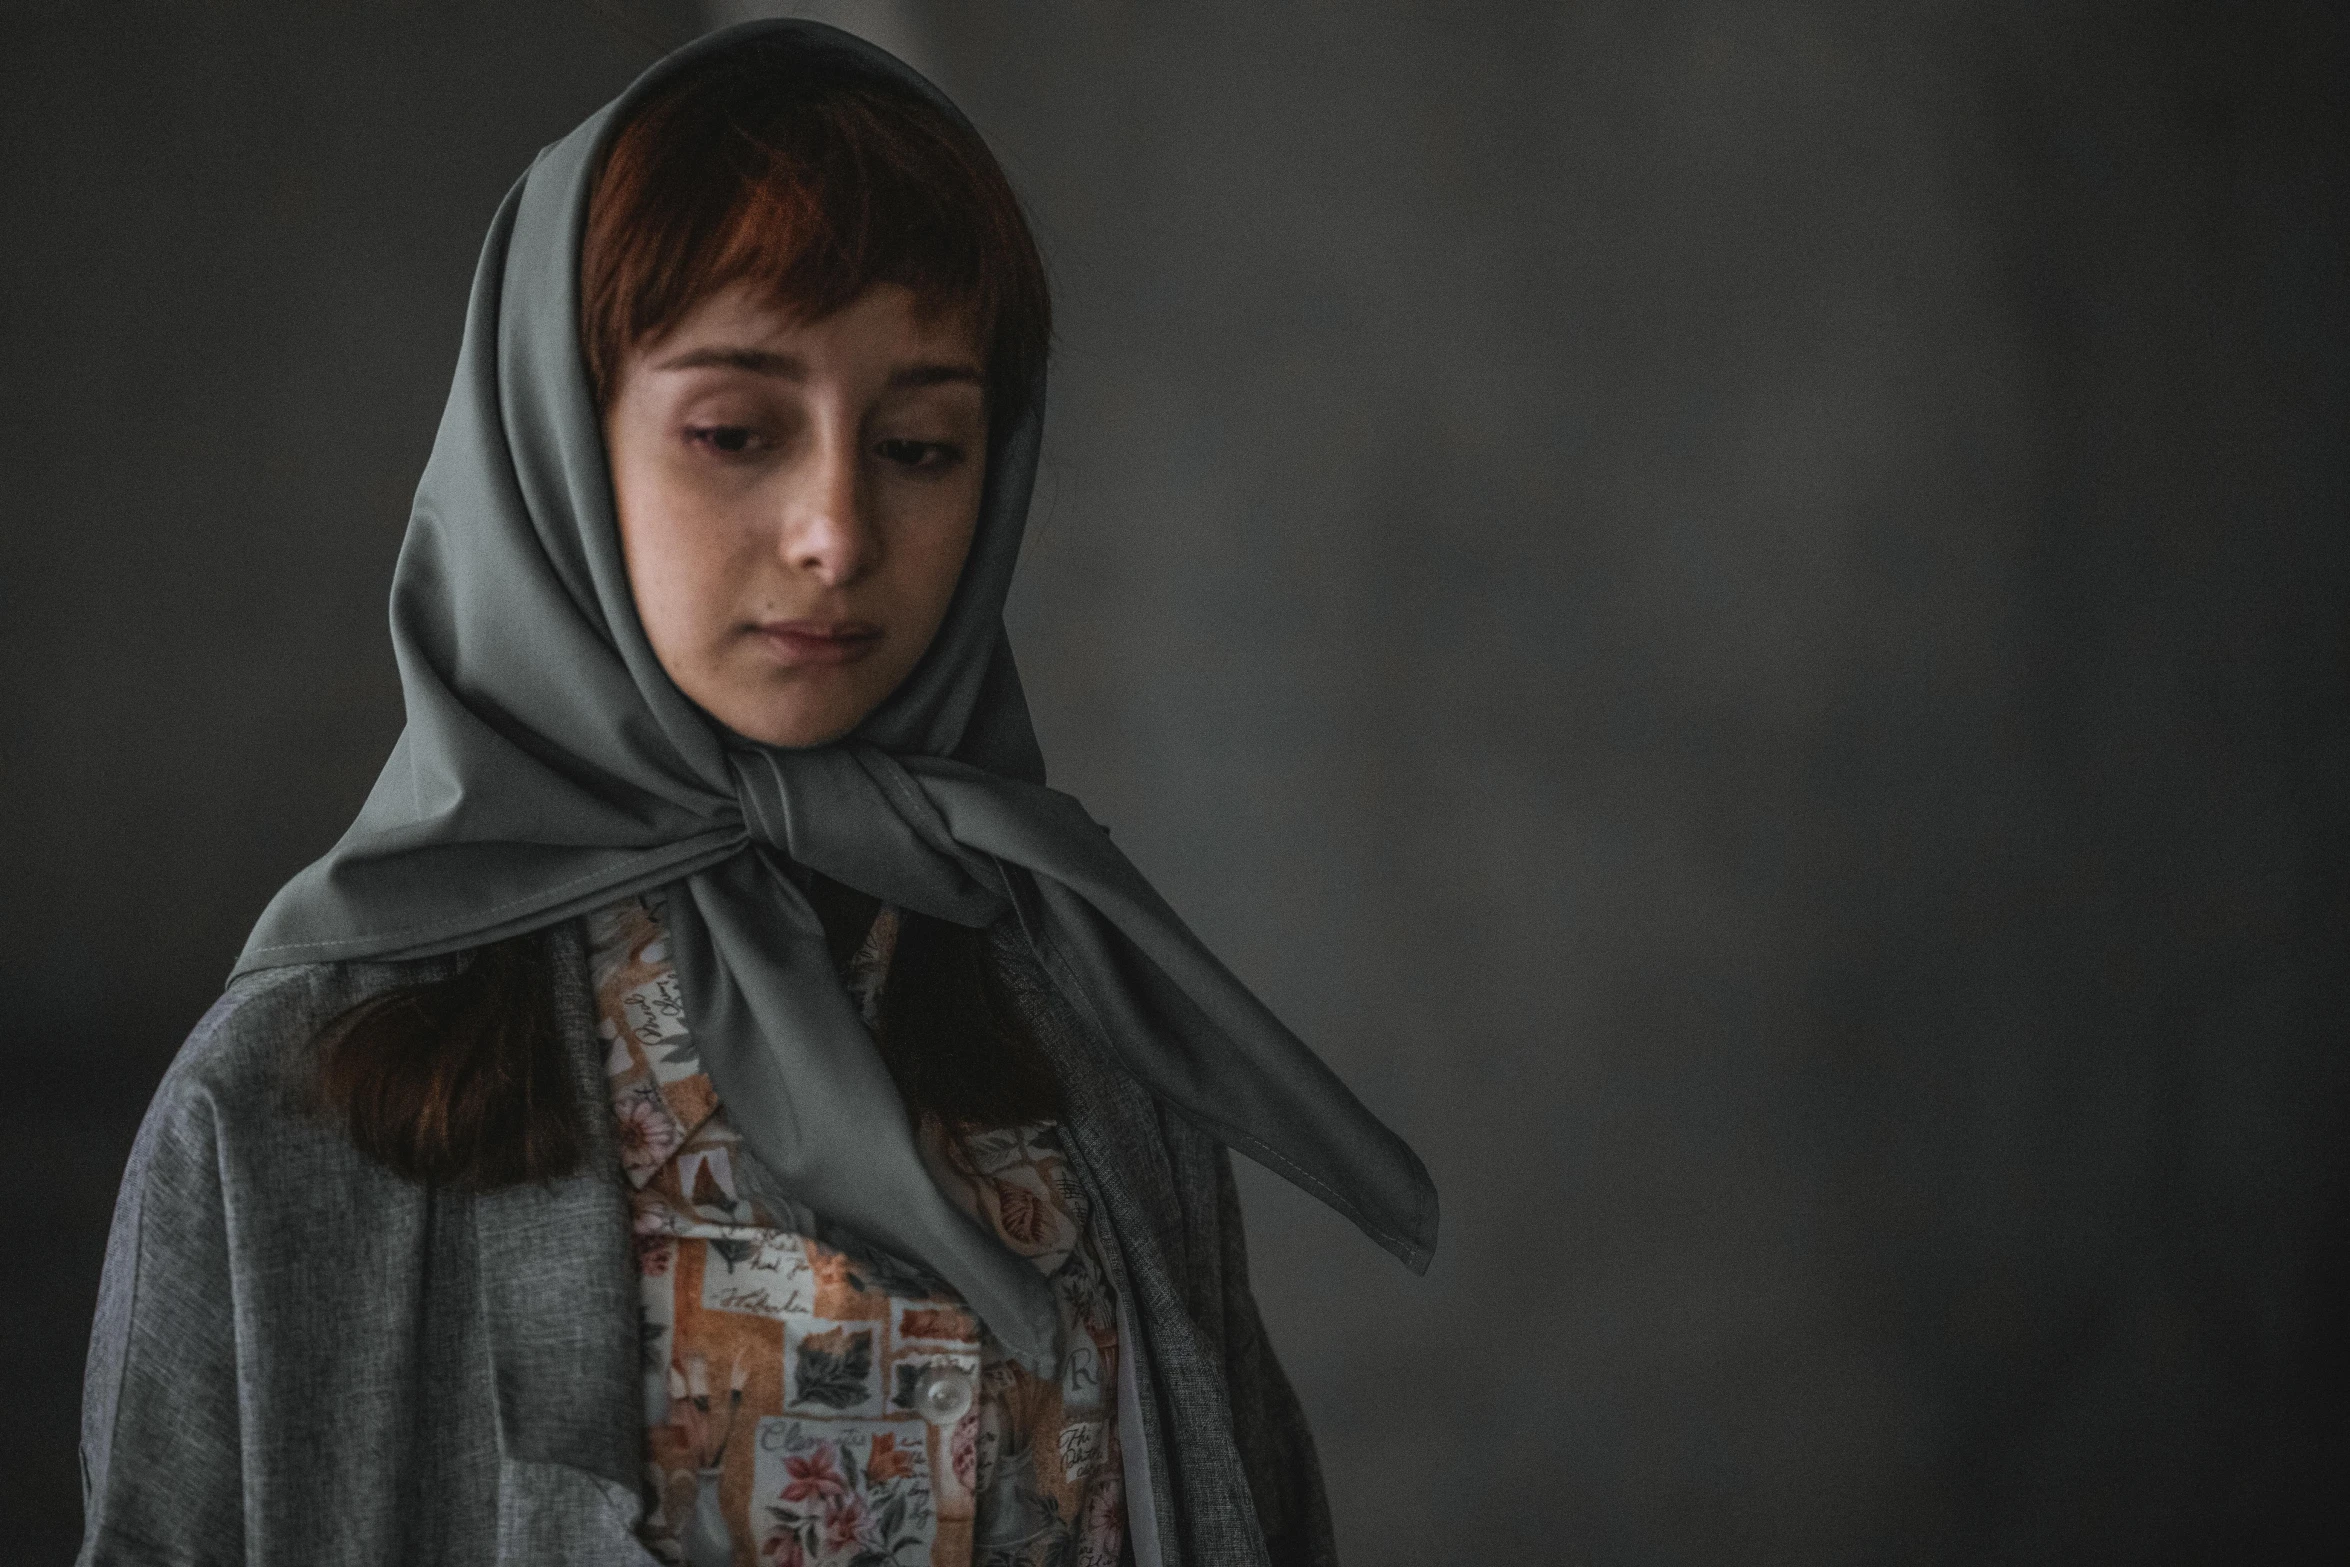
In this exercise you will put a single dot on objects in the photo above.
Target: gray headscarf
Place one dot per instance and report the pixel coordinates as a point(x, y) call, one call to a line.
point(549, 765)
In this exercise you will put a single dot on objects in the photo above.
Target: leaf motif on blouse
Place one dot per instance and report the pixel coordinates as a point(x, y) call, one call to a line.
point(834, 1367)
point(1025, 1217)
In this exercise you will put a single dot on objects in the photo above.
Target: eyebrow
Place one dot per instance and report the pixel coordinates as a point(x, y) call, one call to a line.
point(790, 367)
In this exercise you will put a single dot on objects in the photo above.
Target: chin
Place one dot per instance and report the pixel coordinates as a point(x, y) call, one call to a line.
point(798, 736)
point(794, 714)
point(796, 729)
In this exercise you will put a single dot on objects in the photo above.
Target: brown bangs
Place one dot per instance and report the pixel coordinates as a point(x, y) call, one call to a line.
point(812, 178)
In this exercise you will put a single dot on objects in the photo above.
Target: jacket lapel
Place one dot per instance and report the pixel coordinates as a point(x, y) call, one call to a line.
point(1193, 1506)
point(558, 1302)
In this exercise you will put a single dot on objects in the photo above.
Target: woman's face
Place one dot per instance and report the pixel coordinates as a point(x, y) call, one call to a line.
point(796, 499)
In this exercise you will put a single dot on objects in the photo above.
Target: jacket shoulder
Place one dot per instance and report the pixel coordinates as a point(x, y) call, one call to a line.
point(237, 1058)
point(207, 1178)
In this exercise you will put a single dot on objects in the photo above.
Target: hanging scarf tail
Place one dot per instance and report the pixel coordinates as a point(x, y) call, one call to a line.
point(1177, 1018)
point(811, 1099)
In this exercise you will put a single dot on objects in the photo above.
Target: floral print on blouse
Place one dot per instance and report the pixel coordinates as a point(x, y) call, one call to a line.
point(805, 1408)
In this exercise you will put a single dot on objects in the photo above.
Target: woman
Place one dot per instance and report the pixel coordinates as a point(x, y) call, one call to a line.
point(716, 1104)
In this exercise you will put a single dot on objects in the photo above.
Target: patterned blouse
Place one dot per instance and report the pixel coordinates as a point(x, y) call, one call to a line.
point(807, 1408)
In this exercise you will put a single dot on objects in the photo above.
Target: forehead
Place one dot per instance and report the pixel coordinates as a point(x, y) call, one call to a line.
point(887, 323)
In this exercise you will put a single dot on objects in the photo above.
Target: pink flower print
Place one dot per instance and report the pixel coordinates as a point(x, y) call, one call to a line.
point(784, 1550)
point(846, 1523)
point(645, 1130)
point(1102, 1532)
point(963, 1450)
point(817, 1475)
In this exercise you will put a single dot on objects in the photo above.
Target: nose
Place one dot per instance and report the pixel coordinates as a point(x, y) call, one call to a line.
point(827, 530)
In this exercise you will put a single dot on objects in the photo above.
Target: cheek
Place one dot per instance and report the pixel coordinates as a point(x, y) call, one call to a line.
point(939, 546)
point(677, 558)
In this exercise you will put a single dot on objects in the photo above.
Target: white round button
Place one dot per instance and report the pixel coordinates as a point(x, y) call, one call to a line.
point(944, 1393)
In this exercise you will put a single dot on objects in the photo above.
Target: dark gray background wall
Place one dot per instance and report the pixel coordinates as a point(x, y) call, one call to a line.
point(1742, 611)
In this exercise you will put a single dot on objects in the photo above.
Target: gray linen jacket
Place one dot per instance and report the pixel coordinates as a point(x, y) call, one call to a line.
point(302, 1360)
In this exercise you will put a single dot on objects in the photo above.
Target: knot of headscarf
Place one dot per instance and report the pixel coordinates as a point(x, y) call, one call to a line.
point(549, 765)
point(853, 811)
point(790, 1057)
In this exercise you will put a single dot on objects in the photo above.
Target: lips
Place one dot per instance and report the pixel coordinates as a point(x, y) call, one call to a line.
point(819, 641)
